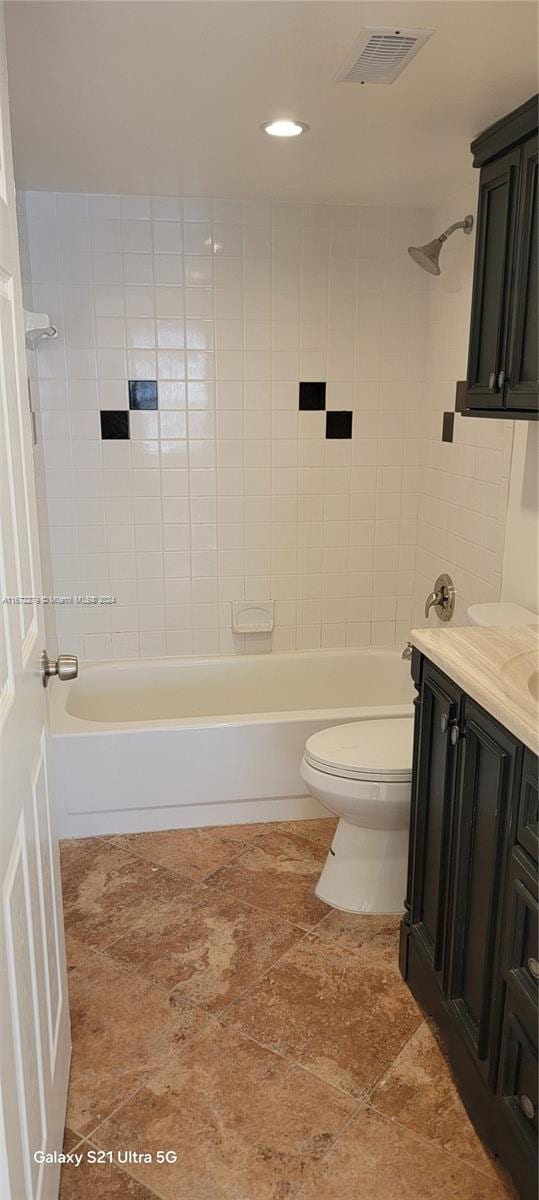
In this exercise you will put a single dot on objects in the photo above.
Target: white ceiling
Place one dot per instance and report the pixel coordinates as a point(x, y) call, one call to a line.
point(167, 97)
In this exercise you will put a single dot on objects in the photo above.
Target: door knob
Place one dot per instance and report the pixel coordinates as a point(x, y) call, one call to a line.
point(66, 667)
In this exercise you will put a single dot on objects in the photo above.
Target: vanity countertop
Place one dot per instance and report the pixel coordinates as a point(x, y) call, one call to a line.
point(497, 667)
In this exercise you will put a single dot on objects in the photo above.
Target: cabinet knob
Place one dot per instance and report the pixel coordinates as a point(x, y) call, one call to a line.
point(527, 1106)
point(454, 735)
point(501, 380)
point(492, 381)
point(533, 968)
point(444, 723)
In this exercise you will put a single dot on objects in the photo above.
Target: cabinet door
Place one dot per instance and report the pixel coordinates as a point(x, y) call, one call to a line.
point(488, 764)
point(522, 387)
point(433, 815)
point(496, 221)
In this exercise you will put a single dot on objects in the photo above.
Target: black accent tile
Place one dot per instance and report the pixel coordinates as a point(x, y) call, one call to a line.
point(115, 423)
point(142, 393)
point(312, 396)
point(448, 425)
point(338, 424)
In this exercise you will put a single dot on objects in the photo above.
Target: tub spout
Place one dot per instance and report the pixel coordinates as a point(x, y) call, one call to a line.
point(407, 652)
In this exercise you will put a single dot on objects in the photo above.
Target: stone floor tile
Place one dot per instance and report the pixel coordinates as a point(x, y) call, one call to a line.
point(419, 1091)
point(103, 1181)
point(211, 952)
point(324, 1007)
point(278, 875)
point(246, 1125)
point(376, 1159)
point(195, 853)
point(123, 1029)
point(108, 892)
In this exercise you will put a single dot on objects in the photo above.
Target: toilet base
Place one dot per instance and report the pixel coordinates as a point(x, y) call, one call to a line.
point(365, 870)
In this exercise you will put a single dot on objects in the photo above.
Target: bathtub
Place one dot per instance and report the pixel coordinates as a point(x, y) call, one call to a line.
point(179, 742)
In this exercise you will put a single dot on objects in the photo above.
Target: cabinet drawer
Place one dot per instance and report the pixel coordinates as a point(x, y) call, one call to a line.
point(521, 957)
point(528, 807)
point(518, 1077)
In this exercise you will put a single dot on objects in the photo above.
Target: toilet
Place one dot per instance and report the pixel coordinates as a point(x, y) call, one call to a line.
point(362, 772)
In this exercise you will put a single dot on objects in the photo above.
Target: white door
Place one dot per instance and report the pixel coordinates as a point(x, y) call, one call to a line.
point(34, 1014)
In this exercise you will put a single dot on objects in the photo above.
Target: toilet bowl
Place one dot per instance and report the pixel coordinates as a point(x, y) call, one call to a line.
point(362, 772)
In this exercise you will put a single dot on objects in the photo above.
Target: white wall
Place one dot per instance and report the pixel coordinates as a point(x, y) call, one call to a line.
point(228, 492)
point(520, 565)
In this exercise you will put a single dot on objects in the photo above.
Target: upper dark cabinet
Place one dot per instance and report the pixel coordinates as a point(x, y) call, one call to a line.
point(503, 353)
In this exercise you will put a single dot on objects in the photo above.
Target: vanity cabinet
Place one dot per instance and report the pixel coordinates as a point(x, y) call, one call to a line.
point(469, 935)
point(503, 349)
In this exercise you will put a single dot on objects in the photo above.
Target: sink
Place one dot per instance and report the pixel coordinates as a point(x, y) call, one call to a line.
point(521, 673)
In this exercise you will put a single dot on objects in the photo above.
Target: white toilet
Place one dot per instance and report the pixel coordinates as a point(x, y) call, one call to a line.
point(362, 772)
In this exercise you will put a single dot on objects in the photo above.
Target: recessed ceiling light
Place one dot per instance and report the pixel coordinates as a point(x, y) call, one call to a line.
point(284, 129)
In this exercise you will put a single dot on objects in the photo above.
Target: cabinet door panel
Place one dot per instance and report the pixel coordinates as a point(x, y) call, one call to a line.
point(498, 191)
point(434, 810)
point(521, 950)
point(522, 388)
point(528, 807)
point(518, 1082)
point(486, 783)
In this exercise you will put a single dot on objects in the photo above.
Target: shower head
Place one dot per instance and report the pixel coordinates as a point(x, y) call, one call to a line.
point(427, 257)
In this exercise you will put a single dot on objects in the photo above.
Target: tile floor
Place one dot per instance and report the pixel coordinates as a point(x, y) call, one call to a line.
point(221, 1011)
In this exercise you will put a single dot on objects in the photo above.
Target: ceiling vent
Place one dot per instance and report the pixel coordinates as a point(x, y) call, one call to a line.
point(380, 54)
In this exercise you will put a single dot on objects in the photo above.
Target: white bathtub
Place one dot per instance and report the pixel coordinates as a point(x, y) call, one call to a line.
point(174, 743)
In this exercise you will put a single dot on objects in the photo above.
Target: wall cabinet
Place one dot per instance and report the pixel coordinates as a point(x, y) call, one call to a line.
point(503, 351)
point(469, 934)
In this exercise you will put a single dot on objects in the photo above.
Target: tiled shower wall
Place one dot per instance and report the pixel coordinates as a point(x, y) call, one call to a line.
point(227, 491)
point(462, 485)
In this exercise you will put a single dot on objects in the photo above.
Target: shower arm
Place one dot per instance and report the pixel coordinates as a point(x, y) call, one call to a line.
point(466, 225)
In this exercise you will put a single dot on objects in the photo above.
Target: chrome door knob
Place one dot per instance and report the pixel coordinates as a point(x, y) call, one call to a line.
point(66, 667)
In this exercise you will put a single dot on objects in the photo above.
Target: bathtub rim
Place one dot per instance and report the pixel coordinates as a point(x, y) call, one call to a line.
point(63, 723)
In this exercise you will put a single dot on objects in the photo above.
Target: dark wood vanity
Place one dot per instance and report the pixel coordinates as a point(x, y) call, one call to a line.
point(502, 361)
point(468, 948)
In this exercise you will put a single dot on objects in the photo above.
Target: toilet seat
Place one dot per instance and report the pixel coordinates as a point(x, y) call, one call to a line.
point(374, 751)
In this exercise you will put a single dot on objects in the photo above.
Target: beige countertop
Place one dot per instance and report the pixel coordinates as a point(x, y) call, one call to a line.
point(497, 667)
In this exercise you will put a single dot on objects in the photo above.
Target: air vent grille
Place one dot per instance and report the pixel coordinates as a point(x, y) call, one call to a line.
point(379, 54)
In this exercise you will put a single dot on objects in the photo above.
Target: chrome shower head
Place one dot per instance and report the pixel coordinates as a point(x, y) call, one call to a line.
point(427, 257)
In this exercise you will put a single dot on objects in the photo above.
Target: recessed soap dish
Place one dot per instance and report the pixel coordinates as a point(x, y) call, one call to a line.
point(255, 616)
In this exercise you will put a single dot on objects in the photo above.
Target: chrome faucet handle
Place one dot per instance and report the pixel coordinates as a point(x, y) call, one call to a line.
point(433, 598)
point(442, 599)
point(407, 652)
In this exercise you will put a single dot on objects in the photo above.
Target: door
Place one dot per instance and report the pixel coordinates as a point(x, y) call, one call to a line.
point(489, 762)
point(434, 806)
point(34, 1021)
point(522, 388)
point(498, 194)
